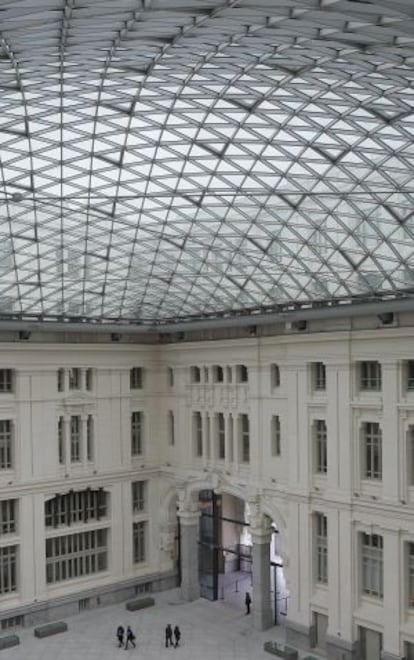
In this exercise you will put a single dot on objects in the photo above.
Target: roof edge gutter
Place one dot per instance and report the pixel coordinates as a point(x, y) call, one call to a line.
point(320, 311)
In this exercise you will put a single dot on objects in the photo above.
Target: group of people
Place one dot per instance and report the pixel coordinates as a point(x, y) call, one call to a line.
point(126, 637)
point(172, 637)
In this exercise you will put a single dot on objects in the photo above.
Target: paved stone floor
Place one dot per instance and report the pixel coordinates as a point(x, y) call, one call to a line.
point(210, 631)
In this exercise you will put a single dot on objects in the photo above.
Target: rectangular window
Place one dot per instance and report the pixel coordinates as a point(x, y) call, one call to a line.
point(8, 523)
point(89, 437)
point(5, 444)
point(198, 434)
point(372, 565)
point(321, 547)
point(275, 436)
point(61, 440)
point(136, 433)
point(410, 455)
point(6, 380)
point(318, 373)
point(171, 428)
point(136, 378)
point(370, 376)
point(410, 574)
point(221, 436)
point(74, 378)
point(242, 374)
point(321, 446)
point(12, 622)
point(170, 377)
point(76, 506)
point(139, 541)
point(89, 380)
point(60, 380)
point(8, 569)
point(139, 489)
point(245, 438)
point(75, 439)
point(410, 374)
point(75, 555)
point(218, 374)
point(274, 376)
point(372, 451)
point(195, 374)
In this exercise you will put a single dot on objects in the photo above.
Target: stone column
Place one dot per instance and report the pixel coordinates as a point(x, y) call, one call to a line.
point(261, 605)
point(392, 602)
point(189, 516)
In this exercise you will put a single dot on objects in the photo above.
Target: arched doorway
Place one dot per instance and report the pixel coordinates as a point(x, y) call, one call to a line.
point(226, 553)
point(225, 558)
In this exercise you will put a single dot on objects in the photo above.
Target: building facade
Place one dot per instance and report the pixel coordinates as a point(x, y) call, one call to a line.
point(102, 444)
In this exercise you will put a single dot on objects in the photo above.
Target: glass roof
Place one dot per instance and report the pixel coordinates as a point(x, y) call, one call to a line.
point(175, 159)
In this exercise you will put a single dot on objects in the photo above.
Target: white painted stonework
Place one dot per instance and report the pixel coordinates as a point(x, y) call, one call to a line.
point(284, 487)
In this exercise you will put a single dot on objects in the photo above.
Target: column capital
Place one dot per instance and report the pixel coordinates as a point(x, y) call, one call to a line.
point(188, 508)
point(189, 517)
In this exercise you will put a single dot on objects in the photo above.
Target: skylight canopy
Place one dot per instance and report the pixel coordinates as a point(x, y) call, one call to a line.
point(174, 159)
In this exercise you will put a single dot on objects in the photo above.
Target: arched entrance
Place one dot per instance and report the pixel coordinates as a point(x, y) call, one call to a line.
point(225, 559)
point(226, 553)
point(225, 538)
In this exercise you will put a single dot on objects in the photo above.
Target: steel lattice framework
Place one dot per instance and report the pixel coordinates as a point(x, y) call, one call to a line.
point(175, 159)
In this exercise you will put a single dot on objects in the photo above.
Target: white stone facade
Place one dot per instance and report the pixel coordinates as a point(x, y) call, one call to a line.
point(363, 486)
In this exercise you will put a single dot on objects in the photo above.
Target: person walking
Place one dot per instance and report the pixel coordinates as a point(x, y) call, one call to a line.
point(247, 601)
point(130, 637)
point(120, 631)
point(177, 636)
point(168, 636)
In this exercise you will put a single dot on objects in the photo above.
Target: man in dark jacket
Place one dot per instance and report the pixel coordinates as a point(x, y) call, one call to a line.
point(130, 637)
point(177, 636)
point(120, 635)
point(247, 601)
point(168, 636)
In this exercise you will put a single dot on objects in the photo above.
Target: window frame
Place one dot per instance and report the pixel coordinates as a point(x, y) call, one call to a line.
point(369, 376)
point(318, 376)
point(372, 565)
point(372, 459)
point(410, 573)
point(139, 496)
point(136, 378)
point(75, 379)
point(221, 436)
point(198, 433)
point(6, 444)
point(139, 541)
point(274, 376)
point(320, 442)
point(245, 438)
point(75, 431)
point(9, 557)
point(7, 378)
point(276, 436)
point(137, 429)
point(8, 516)
point(321, 547)
point(171, 428)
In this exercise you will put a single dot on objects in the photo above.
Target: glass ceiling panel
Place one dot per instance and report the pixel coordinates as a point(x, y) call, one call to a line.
point(166, 159)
